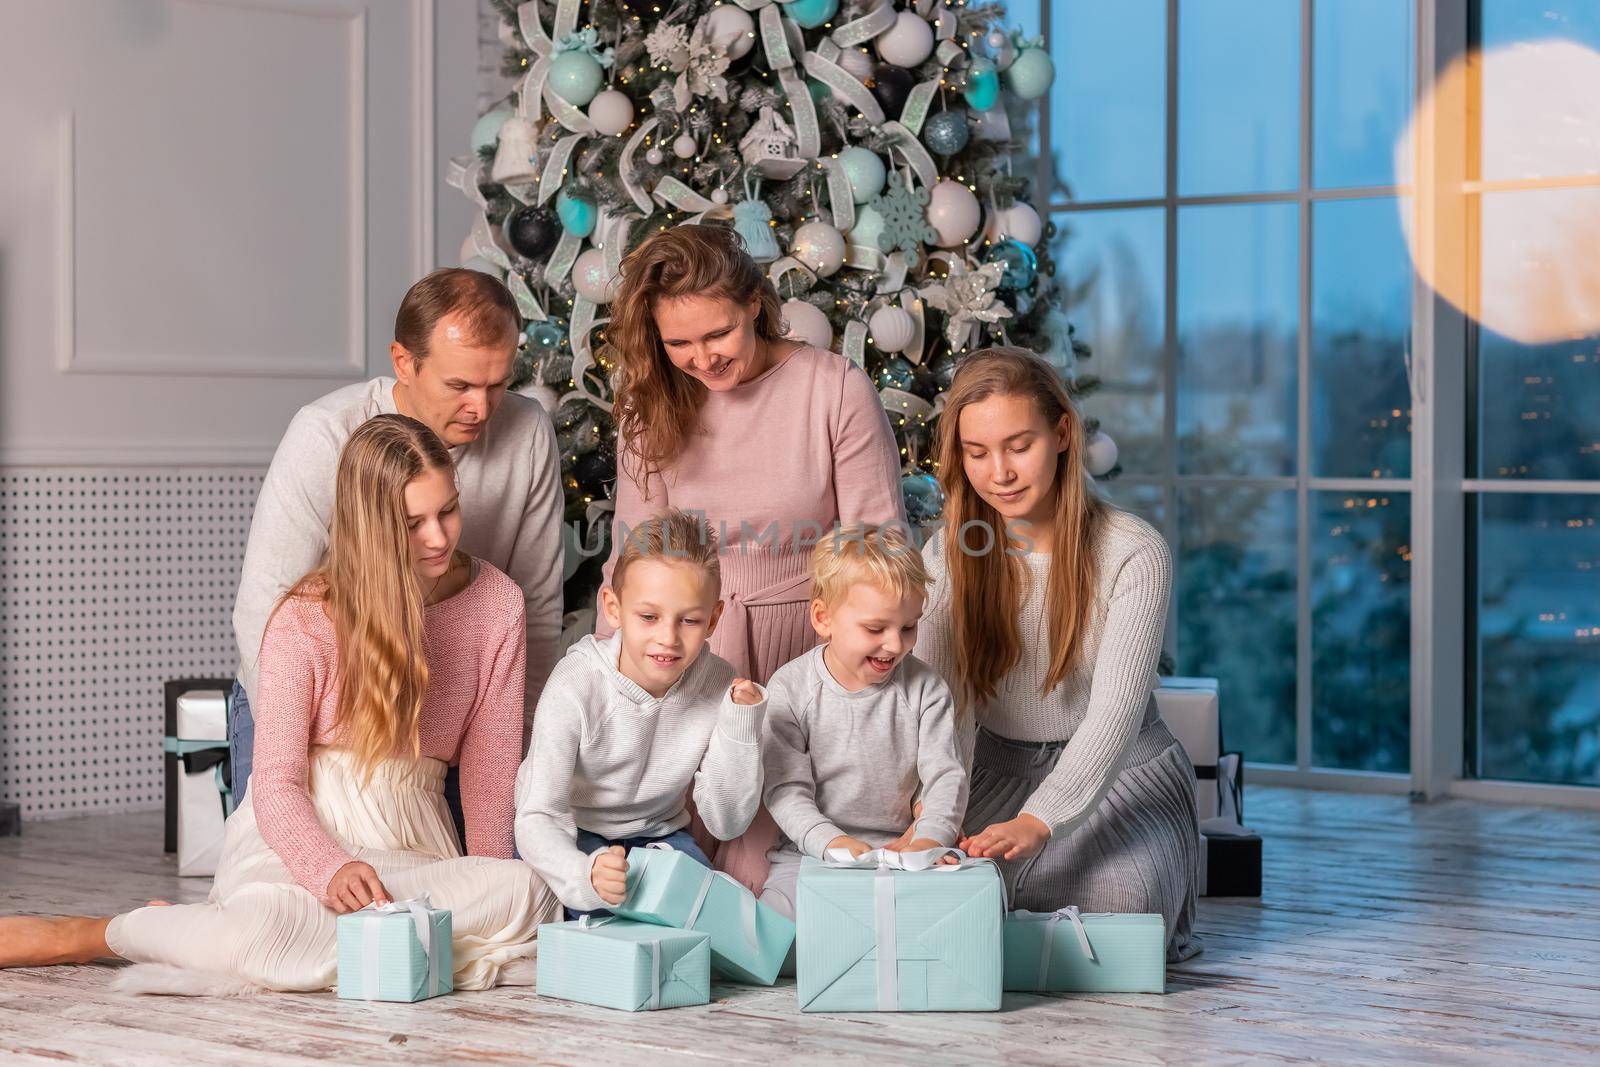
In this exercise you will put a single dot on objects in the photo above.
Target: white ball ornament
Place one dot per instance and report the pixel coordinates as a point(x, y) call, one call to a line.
point(953, 212)
point(732, 29)
point(819, 246)
point(655, 157)
point(611, 112)
point(891, 328)
point(807, 324)
point(684, 147)
point(856, 63)
point(1100, 454)
point(592, 279)
point(908, 42)
point(1019, 222)
point(719, 196)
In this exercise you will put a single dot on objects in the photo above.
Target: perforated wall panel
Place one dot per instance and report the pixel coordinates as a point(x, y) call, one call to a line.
point(111, 582)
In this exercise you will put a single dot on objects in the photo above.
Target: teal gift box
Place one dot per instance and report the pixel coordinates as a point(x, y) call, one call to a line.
point(1071, 952)
point(749, 940)
point(630, 966)
point(877, 938)
point(400, 951)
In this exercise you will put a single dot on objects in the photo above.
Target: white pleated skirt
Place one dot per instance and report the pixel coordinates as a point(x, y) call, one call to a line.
point(259, 926)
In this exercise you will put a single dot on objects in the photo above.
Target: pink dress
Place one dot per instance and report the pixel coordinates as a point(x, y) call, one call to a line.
point(777, 462)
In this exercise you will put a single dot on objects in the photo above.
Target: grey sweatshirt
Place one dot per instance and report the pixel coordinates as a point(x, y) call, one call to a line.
point(609, 758)
point(510, 483)
point(852, 764)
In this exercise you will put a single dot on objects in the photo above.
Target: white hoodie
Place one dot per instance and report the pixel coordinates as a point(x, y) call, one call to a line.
point(609, 758)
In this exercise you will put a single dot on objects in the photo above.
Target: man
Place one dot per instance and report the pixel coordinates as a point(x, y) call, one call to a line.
point(455, 338)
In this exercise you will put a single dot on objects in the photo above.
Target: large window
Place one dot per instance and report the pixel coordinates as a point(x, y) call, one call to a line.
point(1229, 222)
point(1533, 457)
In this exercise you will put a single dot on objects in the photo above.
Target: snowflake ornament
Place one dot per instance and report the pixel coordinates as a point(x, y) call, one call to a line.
point(967, 298)
point(905, 219)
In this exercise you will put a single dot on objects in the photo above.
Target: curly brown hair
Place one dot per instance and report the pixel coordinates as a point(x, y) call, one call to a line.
point(657, 406)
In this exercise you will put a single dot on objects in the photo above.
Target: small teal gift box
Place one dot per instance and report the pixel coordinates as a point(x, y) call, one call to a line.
point(400, 951)
point(749, 940)
point(631, 966)
point(1071, 952)
point(891, 931)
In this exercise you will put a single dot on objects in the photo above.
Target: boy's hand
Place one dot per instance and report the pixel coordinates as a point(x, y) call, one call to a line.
point(899, 844)
point(1017, 839)
point(609, 875)
point(921, 844)
point(856, 847)
point(744, 692)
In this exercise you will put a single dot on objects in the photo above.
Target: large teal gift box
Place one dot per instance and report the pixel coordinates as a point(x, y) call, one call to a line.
point(748, 939)
point(878, 938)
point(1071, 952)
point(400, 951)
point(630, 966)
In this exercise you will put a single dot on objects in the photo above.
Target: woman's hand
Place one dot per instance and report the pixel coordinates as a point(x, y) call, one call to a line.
point(1019, 839)
point(354, 886)
point(744, 692)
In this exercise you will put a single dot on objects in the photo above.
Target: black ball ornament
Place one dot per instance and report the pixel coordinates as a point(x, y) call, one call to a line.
point(533, 231)
point(892, 85)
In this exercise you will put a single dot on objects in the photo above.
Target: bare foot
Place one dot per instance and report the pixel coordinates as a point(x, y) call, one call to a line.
point(158, 903)
point(36, 940)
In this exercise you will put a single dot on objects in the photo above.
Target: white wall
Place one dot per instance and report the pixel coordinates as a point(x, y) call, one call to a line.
point(209, 210)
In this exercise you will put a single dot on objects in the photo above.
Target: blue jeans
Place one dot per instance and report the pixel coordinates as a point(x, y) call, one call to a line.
point(241, 755)
point(680, 840)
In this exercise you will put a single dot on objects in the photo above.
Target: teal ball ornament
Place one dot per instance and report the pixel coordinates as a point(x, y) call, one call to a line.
point(578, 216)
point(811, 13)
point(923, 498)
point(946, 133)
point(1019, 262)
point(486, 131)
point(864, 170)
point(983, 85)
point(1031, 73)
point(819, 92)
point(544, 338)
point(895, 372)
point(575, 77)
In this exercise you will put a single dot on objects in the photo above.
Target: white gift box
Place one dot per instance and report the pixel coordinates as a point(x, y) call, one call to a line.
point(1190, 708)
point(202, 730)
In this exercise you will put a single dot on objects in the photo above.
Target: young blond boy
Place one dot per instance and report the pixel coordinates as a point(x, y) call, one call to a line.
point(860, 743)
point(628, 724)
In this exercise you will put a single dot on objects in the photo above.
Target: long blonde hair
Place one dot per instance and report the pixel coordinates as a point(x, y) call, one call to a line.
point(986, 587)
point(370, 592)
point(657, 406)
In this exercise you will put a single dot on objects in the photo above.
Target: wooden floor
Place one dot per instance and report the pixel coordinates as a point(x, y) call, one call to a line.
point(1456, 932)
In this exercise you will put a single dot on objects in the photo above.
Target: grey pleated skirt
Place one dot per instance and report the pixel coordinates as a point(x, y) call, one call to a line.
point(1139, 851)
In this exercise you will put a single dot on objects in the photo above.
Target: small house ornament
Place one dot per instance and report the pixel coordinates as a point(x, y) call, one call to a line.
point(771, 148)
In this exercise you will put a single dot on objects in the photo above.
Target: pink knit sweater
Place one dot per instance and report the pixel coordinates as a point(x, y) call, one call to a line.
point(471, 716)
point(778, 460)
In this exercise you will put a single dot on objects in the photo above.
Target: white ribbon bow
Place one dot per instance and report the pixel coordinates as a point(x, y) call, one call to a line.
point(372, 932)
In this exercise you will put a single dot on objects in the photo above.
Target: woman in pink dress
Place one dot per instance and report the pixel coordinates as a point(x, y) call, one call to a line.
point(773, 441)
point(396, 658)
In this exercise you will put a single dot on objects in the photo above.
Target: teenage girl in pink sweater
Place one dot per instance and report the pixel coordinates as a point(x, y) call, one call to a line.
point(395, 658)
point(774, 442)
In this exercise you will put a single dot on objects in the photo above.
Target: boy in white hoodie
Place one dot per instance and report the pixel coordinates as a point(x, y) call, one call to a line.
point(627, 724)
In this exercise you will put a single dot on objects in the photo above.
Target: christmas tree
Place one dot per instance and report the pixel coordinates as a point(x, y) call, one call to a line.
point(861, 148)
